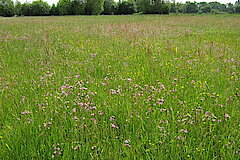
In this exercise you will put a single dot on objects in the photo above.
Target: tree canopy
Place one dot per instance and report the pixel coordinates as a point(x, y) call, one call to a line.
point(110, 7)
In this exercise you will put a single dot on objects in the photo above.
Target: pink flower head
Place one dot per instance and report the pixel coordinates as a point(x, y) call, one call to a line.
point(226, 115)
point(127, 145)
point(129, 79)
point(183, 130)
point(75, 118)
point(112, 118)
point(127, 141)
point(114, 126)
point(77, 76)
point(25, 112)
point(58, 149)
point(161, 128)
point(74, 110)
point(94, 147)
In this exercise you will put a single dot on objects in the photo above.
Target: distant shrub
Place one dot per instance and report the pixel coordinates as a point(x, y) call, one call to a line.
point(109, 7)
point(237, 9)
point(125, 8)
point(153, 7)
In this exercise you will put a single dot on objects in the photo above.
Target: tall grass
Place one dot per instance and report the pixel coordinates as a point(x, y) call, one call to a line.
point(120, 87)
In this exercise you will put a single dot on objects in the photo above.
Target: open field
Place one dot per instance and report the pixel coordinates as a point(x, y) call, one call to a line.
point(120, 87)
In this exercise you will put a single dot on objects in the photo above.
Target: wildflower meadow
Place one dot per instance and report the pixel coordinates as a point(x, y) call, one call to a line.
point(120, 87)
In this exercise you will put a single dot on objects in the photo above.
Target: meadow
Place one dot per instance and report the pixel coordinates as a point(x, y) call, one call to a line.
point(120, 87)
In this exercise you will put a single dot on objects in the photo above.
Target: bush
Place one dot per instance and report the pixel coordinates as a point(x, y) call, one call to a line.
point(237, 9)
point(153, 7)
point(109, 7)
point(206, 9)
point(191, 7)
point(78, 7)
point(125, 8)
point(39, 8)
point(6, 8)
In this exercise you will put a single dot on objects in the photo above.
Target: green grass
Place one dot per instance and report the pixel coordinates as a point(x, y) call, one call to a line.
point(120, 87)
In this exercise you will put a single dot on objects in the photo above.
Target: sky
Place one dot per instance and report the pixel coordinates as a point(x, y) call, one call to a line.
point(221, 1)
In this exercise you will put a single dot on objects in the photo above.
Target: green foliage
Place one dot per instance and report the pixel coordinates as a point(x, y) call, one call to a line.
point(18, 8)
point(125, 7)
point(94, 7)
point(54, 10)
point(39, 8)
point(218, 6)
point(153, 6)
point(205, 9)
point(109, 7)
point(26, 9)
point(173, 8)
point(6, 8)
point(237, 9)
point(191, 7)
point(78, 7)
point(64, 7)
point(180, 8)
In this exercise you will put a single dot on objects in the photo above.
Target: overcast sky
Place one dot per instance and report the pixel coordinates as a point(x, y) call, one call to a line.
point(221, 1)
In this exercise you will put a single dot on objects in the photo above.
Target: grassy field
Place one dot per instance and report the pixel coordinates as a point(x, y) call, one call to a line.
point(120, 87)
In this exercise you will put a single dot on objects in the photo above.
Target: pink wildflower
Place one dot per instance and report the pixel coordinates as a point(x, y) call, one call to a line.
point(25, 112)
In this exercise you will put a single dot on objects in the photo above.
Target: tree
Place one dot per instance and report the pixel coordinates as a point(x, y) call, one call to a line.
point(125, 8)
point(237, 9)
point(173, 8)
point(18, 8)
point(153, 6)
point(54, 10)
point(6, 8)
point(180, 8)
point(39, 8)
point(206, 9)
point(218, 6)
point(78, 7)
point(26, 9)
point(94, 7)
point(230, 8)
point(64, 7)
point(109, 7)
point(191, 7)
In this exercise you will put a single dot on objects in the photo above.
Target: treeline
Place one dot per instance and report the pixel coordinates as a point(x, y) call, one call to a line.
point(109, 7)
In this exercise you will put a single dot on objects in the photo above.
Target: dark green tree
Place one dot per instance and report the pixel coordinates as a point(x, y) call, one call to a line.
point(230, 8)
point(180, 7)
point(78, 7)
point(173, 8)
point(153, 6)
point(6, 8)
point(94, 7)
point(54, 10)
point(125, 8)
point(206, 9)
point(237, 9)
point(26, 9)
point(191, 7)
point(218, 6)
point(39, 8)
point(18, 8)
point(109, 7)
point(64, 7)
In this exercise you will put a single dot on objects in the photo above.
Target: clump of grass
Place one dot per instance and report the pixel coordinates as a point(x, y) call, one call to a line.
point(119, 87)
